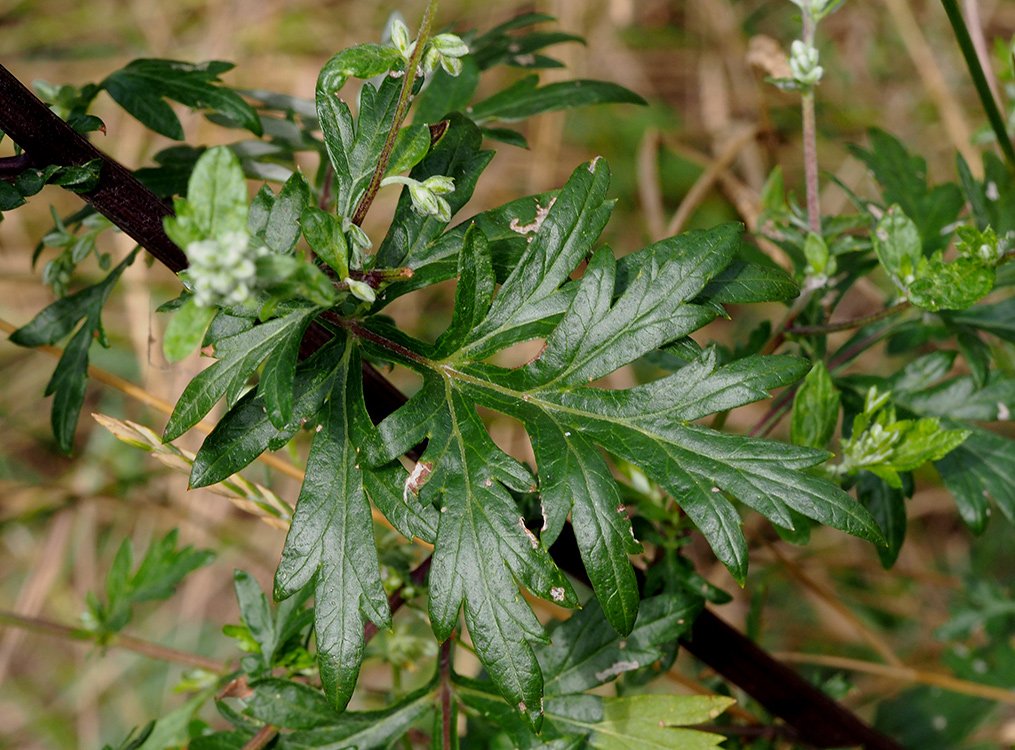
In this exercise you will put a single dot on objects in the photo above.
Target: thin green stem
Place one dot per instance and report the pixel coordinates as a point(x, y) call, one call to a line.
point(401, 110)
point(263, 737)
point(846, 325)
point(130, 643)
point(990, 106)
point(810, 136)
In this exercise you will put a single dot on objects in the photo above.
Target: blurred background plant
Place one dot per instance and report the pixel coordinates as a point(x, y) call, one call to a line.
point(698, 155)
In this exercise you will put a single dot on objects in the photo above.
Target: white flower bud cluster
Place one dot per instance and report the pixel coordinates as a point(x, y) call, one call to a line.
point(445, 50)
point(426, 195)
point(803, 62)
point(222, 271)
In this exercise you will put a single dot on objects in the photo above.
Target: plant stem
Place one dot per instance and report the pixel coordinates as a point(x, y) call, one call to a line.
point(128, 642)
point(260, 740)
point(444, 664)
point(846, 325)
point(904, 674)
point(810, 135)
point(396, 600)
point(404, 99)
point(980, 80)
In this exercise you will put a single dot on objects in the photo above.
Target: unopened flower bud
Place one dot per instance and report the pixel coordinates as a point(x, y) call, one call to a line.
point(360, 289)
point(400, 38)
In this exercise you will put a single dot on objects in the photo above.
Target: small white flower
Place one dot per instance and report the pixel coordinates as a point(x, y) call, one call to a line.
point(223, 270)
point(803, 62)
point(439, 184)
point(425, 195)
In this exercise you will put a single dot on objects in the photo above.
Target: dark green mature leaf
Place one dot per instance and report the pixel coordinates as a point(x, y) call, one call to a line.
point(246, 431)
point(526, 98)
point(888, 506)
point(239, 356)
point(743, 283)
point(71, 374)
point(585, 652)
point(290, 705)
point(483, 546)
point(331, 538)
point(903, 180)
point(142, 86)
point(364, 730)
point(997, 318)
point(990, 199)
point(980, 470)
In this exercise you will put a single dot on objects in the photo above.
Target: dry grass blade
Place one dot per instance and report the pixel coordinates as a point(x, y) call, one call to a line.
point(250, 497)
point(904, 674)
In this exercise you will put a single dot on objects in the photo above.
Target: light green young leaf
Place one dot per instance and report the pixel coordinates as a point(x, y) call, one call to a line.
point(186, 329)
point(216, 200)
point(898, 246)
point(815, 409)
point(648, 721)
point(950, 286)
point(366, 729)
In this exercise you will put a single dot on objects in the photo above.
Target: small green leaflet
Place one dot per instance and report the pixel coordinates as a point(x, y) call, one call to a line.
point(331, 538)
point(483, 546)
point(142, 86)
point(930, 283)
point(157, 576)
point(277, 635)
point(647, 722)
point(815, 409)
point(67, 386)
